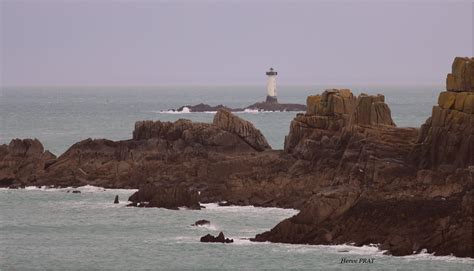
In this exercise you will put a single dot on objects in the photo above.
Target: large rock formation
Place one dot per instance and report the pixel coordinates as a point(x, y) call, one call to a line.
point(22, 161)
point(355, 176)
point(244, 129)
point(446, 139)
point(404, 190)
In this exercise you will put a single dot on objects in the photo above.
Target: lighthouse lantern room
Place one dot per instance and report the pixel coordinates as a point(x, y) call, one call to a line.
point(271, 86)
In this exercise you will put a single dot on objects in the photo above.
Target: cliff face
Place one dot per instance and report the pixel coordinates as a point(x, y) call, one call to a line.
point(391, 186)
point(22, 161)
point(355, 176)
point(446, 139)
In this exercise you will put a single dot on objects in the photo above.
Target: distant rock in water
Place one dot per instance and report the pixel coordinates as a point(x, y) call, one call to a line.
point(76, 192)
point(205, 108)
point(271, 104)
point(219, 239)
point(116, 201)
point(201, 222)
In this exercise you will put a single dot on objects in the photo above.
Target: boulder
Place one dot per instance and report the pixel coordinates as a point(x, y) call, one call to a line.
point(245, 130)
point(116, 200)
point(218, 239)
point(461, 79)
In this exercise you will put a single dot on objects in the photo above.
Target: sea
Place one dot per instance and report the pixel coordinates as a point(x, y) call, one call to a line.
point(55, 229)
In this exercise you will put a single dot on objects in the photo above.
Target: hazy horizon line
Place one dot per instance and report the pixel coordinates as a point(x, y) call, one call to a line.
point(222, 85)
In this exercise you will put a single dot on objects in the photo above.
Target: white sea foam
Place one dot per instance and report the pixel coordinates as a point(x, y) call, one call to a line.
point(186, 110)
point(211, 227)
point(247, 208)
point(424, 255)
point(171, 111)
point(83, 189)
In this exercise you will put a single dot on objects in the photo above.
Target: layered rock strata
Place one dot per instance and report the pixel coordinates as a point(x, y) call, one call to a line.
point(404, 189)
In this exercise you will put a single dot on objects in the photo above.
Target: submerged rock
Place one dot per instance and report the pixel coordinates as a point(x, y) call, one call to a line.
point(218, 239)
point(201, 222)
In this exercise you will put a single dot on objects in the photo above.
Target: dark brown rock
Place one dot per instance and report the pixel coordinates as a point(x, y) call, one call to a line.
point(22, 161)
point(116, 200)
point(270, 104)
point(218, 239)
point(201, 222)
point(166, 197)
point(242, 128)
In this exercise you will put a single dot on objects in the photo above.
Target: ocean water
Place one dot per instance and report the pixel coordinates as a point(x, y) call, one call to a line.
point(59, 117)
point(55, 230)
point(50, 229)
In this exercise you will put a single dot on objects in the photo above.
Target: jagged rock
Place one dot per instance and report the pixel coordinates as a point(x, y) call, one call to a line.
point(400, 184)
point(22, 161)
point(201, 222)
point(462, 76)
point(165, 197)
point(332, 101)
point(244, 129)
point(371, 111)
point(219, 239)
point(447, 138)
point(330, 116)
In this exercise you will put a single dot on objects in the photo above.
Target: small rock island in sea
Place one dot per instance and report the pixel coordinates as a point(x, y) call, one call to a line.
point(354, 175)
point(270, 104)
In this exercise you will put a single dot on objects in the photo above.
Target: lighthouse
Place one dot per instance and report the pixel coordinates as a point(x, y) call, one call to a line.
point(271, 86)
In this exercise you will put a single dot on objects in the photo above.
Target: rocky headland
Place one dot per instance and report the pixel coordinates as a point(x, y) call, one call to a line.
point(355, 177)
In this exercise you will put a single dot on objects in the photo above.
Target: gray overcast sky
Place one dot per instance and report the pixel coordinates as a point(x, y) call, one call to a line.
point(159, 43)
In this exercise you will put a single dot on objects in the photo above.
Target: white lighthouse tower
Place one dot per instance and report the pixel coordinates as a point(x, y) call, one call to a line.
point(271, 86)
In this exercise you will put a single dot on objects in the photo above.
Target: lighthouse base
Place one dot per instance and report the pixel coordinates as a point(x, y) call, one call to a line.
point(271, 99)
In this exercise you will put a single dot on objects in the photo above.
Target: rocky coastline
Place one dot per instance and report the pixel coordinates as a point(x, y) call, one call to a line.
point(355, 177)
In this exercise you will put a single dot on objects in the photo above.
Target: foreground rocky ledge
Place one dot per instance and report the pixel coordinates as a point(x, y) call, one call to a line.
point(355, 176)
